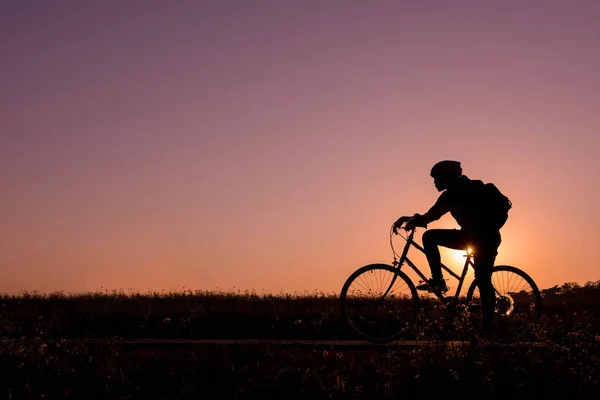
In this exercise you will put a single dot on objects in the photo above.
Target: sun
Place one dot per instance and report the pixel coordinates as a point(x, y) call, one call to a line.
point(459, 255)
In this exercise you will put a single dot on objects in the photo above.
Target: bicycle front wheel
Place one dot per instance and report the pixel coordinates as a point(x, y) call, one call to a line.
point(379, 303)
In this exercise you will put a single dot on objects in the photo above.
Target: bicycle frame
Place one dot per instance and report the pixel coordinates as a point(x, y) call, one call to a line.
point(404, 258)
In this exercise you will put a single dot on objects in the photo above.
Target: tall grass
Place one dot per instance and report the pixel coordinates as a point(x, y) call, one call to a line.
point(37, 360)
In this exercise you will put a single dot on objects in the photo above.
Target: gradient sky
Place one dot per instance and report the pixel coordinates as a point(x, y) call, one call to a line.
point(269, 145)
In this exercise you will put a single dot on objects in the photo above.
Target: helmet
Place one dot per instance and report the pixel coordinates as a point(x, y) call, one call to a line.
point(446, 168)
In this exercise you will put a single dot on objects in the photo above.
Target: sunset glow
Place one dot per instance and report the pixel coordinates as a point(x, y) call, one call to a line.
point(270, 145)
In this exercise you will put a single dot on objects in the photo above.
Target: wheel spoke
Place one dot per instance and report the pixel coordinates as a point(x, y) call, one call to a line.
point(517, 297)
point(368, 312)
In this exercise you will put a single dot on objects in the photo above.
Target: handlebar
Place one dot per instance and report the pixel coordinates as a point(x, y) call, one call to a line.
point(409, 226)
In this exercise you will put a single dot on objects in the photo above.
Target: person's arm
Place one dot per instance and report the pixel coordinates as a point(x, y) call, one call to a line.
point(441, 207)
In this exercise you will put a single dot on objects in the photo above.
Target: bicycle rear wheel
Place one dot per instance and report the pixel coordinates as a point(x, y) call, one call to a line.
point(518, 299)
point(379, 303)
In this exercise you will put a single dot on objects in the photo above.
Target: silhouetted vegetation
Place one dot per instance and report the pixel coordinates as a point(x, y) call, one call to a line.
point(40, 354)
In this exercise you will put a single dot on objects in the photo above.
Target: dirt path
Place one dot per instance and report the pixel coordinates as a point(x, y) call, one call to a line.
point(246, 342)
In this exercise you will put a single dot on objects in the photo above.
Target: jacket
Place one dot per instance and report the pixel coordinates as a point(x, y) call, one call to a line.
point(462, 200)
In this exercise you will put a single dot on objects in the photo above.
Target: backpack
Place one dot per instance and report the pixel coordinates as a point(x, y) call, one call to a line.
point(494, 206)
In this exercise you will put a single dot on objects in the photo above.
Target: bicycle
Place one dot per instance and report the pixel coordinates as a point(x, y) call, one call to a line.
point(380, 302)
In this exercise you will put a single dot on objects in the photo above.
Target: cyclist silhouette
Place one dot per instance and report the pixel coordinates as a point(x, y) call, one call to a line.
point(461, 197)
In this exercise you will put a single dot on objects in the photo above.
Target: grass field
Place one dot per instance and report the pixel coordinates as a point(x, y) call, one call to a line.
point(38, 359)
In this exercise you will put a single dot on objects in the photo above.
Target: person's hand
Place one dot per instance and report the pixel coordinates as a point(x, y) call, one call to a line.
point(398, 224)
point(410, 225)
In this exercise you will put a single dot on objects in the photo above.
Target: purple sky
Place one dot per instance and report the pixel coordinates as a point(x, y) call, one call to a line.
point(269, 145)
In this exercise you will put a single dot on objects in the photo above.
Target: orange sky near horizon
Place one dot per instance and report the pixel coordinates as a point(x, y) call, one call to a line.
point(269, 145)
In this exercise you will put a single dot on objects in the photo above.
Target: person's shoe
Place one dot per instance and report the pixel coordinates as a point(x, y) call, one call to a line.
point(437, 285)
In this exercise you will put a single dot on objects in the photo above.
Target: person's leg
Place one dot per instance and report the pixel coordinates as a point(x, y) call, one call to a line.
point(451, 238)
point(484, 259)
